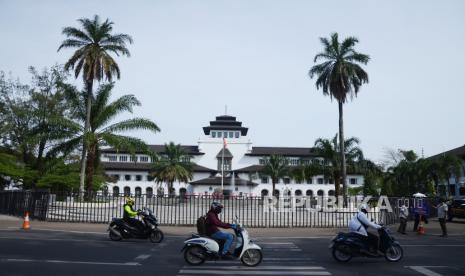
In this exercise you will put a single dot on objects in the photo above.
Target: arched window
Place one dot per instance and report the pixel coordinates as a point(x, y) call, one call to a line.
point(115, 191)
point(276, 192)
point(182, 192)
point(331, 193)
point(320, 193)
point(298, 192)
point(160, 191)
point(127, 191)
point(149, 192)
point(309, 193)
point(264, 192)
point(138, 191)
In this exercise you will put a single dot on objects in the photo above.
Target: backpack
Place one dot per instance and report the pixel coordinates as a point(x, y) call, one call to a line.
point(202, 225)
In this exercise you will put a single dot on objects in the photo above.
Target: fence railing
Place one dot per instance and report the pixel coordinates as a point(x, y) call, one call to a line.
point(295, 211)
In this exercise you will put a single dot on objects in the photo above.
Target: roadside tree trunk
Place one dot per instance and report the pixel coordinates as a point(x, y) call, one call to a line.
point(89, 84)
point(342, 149)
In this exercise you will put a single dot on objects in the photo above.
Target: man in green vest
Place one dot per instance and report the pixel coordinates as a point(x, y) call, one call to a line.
point(130, 214)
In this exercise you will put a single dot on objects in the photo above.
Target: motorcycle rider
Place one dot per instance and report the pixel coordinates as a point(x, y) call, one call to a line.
point(359, 225)
point(213, 222)
point(130, 214)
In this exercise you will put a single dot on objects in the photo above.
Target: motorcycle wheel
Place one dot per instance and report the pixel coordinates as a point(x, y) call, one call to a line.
point(394, 253)
point(252, 257)
point(195, 255)
point(339, 253)
point(156, 236)
point(113, 236)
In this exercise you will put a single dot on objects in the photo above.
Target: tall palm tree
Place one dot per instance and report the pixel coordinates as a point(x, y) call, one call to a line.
point(276, 166)
point(102, 131)
point(172, 167)
point(94, 44)
point(329, 150)
point(340, 76)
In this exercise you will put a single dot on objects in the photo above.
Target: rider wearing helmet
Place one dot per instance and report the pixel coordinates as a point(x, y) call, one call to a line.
point(359, 225)
point(213, 222)
point(130, 214)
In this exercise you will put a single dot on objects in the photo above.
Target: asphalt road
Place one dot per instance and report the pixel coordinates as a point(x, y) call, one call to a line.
point(38, 252)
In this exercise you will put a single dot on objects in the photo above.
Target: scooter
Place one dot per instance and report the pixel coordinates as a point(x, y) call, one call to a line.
point(119, 229)
point(347, 245)
point(198, 249)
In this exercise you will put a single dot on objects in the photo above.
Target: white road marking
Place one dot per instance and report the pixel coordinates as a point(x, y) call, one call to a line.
point(261, 267)
point(65, 231)
point(142, 257)
point(423, 270)
point(245, 272)
point(69, 262)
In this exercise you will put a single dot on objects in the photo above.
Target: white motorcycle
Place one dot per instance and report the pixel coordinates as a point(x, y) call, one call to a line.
point(198, 249)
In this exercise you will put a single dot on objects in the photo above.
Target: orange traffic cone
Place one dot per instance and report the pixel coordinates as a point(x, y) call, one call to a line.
point(421, 228)
point(26, 224)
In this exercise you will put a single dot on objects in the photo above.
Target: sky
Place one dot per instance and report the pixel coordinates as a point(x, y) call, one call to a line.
point(191, 58)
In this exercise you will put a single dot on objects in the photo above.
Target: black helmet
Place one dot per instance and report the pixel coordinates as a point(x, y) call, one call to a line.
point(216, 207)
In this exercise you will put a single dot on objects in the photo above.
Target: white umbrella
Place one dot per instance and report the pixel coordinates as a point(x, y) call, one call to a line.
point(419, 195)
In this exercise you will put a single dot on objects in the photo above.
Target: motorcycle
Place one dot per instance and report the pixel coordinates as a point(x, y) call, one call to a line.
point(198, 249)
point(119, 229)
point(347, 245)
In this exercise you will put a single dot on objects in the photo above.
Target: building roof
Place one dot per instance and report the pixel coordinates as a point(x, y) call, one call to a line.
point(252, 168)
point(459, 152)
point(131, 166)
point(160, 149)
point(285, 151)
point(216, 180)
point(227, 153)
point(225, 122)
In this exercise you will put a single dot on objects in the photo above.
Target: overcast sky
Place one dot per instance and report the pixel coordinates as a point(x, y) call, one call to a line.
point(191, 58)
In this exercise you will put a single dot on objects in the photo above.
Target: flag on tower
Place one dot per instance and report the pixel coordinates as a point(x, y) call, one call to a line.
point(224, 143)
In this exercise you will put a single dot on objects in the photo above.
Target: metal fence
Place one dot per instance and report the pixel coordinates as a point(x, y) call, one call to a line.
point(294, 211)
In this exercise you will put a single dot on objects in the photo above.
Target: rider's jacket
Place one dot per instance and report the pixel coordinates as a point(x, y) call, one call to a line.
point(129, 212)
point(213, 222)
point(360, 223)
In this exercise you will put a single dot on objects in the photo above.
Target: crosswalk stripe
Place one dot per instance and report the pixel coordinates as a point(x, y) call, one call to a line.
point(254, 272)
point(262, 267)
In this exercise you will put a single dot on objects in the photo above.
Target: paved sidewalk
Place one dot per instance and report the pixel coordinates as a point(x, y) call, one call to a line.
point(456, 228)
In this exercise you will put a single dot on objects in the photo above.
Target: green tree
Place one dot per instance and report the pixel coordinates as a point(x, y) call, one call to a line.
point(446, 167)
point(340, 76)
point(276, 166)
point(332, 167)
point(95, 43)
point(172, 166)
point(102, 131)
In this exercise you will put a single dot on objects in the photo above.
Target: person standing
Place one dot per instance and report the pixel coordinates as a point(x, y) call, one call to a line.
point(403, 215)
point(442, 215)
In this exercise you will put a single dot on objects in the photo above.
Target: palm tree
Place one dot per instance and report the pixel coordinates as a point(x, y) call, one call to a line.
point(332, 165)
point(172, 167)
point(94, 42)
point(102, 132)
point(276, 166)
point(340, 76)
point(448, 166)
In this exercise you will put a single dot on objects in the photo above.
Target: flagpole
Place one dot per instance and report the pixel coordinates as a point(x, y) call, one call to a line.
point(222, 168)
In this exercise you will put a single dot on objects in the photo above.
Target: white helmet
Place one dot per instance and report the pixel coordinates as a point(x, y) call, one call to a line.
point(363, 206)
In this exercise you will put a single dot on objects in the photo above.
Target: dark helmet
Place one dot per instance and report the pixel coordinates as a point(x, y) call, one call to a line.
point(216, 207)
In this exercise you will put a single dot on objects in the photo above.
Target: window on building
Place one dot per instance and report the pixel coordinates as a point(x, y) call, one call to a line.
point(115, 191)
point(353, 181)
point(225, 134)
point(309, 193)
point(116, 177)
point(261, 161)
point(293, 161)
point(133, 158)
point(210, 189)
point(149, 192)
point(123, 158)
point(298, 181)
point(127, 177)
point(214, 134)
point(330, 181)
point(287, 180)
point(127, 191)
point(112, 158)
point(227, 164)
point(320, 193)
point(138, 191)
point(320, 180)
point(144, 159)
point(231, 134)
point(220, 134)
point(138, 177)
point(238, 134)
point(236, 189)
point(310, 181)
point(186, 159)
point(149, 177)
point(264, 179)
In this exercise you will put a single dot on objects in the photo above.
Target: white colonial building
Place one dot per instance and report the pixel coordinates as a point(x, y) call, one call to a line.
point(242, 171)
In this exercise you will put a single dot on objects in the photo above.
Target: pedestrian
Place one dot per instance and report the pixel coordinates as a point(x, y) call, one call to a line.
point(403, 215)
point(442, 215)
